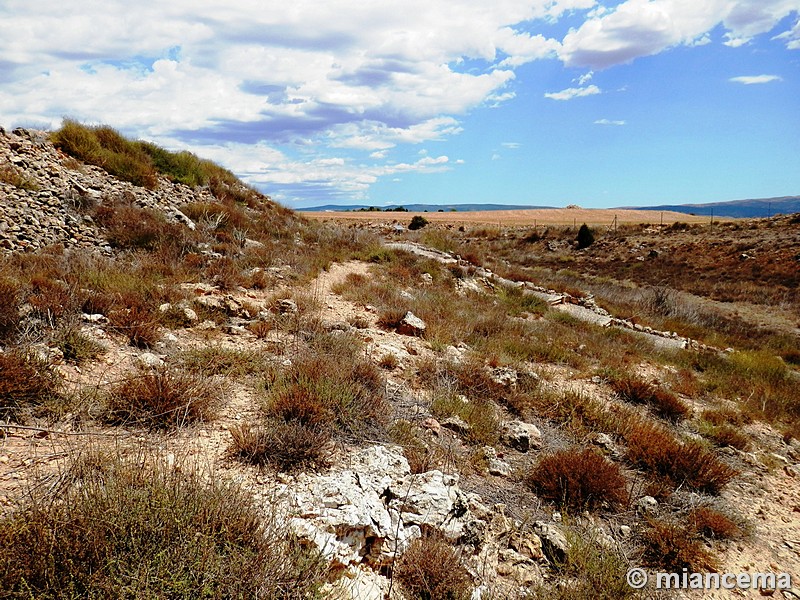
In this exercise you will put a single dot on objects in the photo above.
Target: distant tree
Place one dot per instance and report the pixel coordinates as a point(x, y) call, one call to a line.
point(585, 237)
point(417, 222)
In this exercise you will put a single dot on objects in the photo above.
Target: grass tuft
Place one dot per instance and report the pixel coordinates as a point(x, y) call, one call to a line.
point(162, 398)
point(689, 463)
point(26, 384)
point(430, 569)
point(287, 446)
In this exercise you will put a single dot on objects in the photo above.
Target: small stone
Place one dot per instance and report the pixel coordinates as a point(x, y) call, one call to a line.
point(647, 505)
point(499, 468)
point(432, 425)
point(521, 436)
point(625, 530)
point(411, 324)
point(287, 306)
point(149, 360)
point(457, 424)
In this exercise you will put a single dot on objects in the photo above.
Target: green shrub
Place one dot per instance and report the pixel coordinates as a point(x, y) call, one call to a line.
point(417, 222)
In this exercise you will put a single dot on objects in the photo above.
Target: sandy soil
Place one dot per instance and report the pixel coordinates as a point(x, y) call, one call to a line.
point(549, 216)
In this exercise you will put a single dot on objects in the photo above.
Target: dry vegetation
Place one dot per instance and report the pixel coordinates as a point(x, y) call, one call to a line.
point(621, 416)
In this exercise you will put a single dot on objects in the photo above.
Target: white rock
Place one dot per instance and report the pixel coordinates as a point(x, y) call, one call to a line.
point(521, 436)
point(411, 324)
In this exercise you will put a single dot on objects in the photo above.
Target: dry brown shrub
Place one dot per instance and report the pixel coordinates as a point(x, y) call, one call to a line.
point(712, 523)
point(578, 479)
point(139, 323)
point(26, 382)
point(689, 463)
point(725, 416)
point(729, 435)
point(163, 398)
point(9, 309)
point(287, 446)
point(663, 403)
point(430, 569)
point(671, 547)
point(335, 384)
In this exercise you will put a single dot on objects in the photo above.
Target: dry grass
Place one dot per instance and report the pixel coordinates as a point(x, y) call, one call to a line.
point(332, 387)
point(138, 528)
point(9, 309)
point(9, 174)
point(689, 463)
point(162, 398)
point(430, 569)
point(27, 384)
point(711, 523)
point(589, 570)
point(285, 445)
point(578, 480)
point(664, 403)
point(669, 546)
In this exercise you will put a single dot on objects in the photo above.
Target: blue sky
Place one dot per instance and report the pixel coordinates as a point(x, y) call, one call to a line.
point(540, 102)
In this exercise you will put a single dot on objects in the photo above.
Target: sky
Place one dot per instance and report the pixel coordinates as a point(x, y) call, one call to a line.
point(598, 103)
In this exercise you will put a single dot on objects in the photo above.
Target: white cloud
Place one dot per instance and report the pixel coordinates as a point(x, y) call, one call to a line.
point(754, 79)
point(609, 122)
point(339, 74)
point(792, 36)
point(637, 28)
point(511, 145)
point(570, 93)
point(585, 78)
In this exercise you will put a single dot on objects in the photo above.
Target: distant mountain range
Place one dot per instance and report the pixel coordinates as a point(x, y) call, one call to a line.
point(754, 208)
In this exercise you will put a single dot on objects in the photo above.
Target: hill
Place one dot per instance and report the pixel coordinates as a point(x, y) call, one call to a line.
point(748, 209)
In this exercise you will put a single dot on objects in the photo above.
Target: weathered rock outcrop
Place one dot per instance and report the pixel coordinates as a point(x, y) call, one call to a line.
point(371, 510)
point(44, 207)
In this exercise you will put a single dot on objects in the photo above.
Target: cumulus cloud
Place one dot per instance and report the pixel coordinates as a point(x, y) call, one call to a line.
point(570, 93)
point(339, 74)
point(755, 79)
point(637, 28)
point(609, 122)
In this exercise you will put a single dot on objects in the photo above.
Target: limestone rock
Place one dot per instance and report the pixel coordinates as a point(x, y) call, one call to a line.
point(362, 514)
point(521, 436)
point(411, 324)
point(457, 424)
point(554, 543)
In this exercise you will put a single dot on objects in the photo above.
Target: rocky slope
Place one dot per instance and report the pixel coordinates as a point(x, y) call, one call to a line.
point(44, 191)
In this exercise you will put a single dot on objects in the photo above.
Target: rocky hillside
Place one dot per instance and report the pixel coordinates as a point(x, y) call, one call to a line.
point(226, 400)
point(45, 194)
